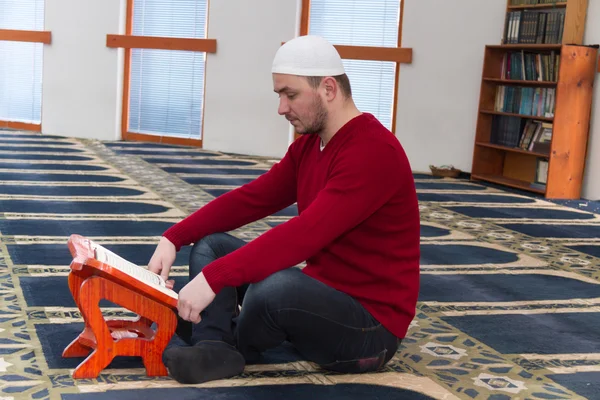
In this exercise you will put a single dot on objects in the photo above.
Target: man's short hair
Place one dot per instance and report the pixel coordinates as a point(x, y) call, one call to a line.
point(342, 81)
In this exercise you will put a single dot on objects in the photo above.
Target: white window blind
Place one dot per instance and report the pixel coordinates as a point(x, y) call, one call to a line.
point(167, 86)
point(21, 63)
point(363, 23)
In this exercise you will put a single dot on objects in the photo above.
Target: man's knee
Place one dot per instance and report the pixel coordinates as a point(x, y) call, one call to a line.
point(205, 251)
point(208, 243)
point(272, 292)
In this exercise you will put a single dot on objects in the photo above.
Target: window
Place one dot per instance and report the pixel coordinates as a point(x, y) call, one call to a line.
point(370, 23)
point(166, 89)
point(21, 63)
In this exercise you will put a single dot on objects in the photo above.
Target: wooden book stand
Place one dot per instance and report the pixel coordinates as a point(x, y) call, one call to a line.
point(97, 274)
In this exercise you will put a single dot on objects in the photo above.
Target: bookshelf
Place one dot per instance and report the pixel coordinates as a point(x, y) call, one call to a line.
point(535, 100)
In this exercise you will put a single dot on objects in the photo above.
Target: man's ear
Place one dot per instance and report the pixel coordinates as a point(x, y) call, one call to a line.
point(331, 87)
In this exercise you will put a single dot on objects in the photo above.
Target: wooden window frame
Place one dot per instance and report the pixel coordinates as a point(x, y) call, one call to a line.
point(127, 42)
point(398, 54)
point(12, 35)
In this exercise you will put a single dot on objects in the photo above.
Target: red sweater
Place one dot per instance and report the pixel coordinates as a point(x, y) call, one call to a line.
point(358, 227)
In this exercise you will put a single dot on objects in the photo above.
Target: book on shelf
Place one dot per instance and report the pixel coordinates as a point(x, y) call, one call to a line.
point(529, 66)
point(530, 101)
point(541, 172)
point(535, 26)
point(516, 132)
point(141, 274)
point(538, 186)
point(506, 131)
point(536, 136)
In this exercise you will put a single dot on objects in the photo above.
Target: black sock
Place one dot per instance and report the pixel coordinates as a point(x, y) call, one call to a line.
point(184, 330)
point(203, 362)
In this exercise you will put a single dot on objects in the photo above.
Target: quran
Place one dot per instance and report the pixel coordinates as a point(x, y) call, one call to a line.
point(135, 271)
point(98, 273)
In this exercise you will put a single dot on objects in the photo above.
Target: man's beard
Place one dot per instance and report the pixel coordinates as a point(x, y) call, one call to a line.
point(317, 125)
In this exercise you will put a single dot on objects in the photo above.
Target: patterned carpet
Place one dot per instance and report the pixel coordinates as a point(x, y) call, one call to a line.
point(509, 305)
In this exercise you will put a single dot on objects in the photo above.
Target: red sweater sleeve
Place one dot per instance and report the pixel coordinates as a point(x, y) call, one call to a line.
point(362, 179)
point(267, 194)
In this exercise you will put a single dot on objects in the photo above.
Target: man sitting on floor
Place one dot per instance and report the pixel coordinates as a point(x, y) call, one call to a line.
point(358, 231)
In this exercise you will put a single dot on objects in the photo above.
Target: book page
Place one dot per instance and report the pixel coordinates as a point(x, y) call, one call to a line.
point(140, 273)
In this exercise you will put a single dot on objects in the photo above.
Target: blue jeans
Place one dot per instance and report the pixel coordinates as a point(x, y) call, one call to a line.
point(326, 326)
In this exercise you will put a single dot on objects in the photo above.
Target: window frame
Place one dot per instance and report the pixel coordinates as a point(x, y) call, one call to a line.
point(128, 41)
point(15, 35)
point(398, 54)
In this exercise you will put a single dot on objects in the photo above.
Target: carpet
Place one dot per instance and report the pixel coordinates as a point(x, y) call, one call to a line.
point(509, 303)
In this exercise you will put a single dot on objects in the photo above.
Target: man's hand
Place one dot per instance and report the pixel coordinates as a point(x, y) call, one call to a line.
point(194, 298)
point(163, 258)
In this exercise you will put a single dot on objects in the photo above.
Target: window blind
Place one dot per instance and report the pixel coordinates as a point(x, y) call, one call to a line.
point(21, 63)
point(363, 23)
point(167, 86)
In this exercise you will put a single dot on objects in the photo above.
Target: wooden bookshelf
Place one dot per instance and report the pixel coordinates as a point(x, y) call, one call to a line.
point(573, 12)
point(510, 182)
point(525, 46)
point(537, 6)
point(512, 149)
point(535, 103)
point(520, 82)
point(508, 114)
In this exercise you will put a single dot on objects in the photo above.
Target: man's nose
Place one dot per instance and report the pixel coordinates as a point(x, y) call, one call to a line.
point(284, 107)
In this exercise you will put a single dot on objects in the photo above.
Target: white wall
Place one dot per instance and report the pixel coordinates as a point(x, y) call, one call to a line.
point(437, 98)
point(240, 105)
point(591, 183)
point(82, 78)
point(438, 92)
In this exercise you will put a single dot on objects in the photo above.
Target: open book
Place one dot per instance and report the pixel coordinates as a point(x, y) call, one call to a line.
point(135, 271)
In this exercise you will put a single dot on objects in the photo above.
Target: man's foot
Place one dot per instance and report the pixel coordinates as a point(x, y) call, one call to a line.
point(203, 362)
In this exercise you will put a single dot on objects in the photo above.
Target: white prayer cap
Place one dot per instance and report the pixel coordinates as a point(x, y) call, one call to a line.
point(308, 55)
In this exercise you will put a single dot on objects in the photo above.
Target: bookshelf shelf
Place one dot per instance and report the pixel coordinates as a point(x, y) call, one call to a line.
point(519, 82)
point(540, 68)
point(513, 149)
point(537, 6)
point(515, 183)
point(525, 46)
point(492, 112)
